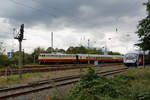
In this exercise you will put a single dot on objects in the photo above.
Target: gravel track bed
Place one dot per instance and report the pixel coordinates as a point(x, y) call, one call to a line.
point(44, 94)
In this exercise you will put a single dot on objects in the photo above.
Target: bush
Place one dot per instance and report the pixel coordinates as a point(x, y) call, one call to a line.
point(120, 87)
point(3, 60)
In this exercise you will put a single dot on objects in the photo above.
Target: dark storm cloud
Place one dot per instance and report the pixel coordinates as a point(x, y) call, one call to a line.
point(80, 14)
point(95, 19)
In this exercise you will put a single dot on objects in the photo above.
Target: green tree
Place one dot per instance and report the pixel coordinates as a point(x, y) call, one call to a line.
point(14, 59)
point(77, 50)
point(83, 50)
point(59, 50)
point(113, 53)
point(28, 58)
point(2, 49)
point(70, 50)
point(95, 51)
point(49, 50)
point(37, 52)
point(3, 60)
point(143, 31)
point(3, 57)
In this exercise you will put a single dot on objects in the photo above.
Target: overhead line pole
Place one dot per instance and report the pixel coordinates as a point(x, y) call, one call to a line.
point(88, 51)
point(51, 42)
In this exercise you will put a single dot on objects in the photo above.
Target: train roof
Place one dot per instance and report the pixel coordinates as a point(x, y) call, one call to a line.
point(94, 55)
point(135, 53)
point(139, 52)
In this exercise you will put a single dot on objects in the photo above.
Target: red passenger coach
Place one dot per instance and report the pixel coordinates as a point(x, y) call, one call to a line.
point(77, 58)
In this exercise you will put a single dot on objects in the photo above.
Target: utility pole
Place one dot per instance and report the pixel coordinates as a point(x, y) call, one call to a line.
point(88, 51)
point(19, 37)
point(51, 42)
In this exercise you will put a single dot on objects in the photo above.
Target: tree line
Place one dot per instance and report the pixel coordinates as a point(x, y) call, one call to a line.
point(33, 57)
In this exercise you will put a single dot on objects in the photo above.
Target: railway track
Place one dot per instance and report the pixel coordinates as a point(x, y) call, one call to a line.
point(66, 65)
point(34, 69)
point(47, 84)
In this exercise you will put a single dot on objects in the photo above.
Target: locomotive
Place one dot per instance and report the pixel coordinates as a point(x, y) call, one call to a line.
point(135, 59)
point(48, 58)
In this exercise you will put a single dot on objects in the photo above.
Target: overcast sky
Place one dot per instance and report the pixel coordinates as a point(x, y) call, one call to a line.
point(73, 22)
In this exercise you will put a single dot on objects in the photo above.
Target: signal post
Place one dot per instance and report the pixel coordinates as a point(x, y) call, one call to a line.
point(19, 37)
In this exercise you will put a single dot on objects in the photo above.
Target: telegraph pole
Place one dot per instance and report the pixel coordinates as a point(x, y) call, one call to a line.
point(19, 37)
point(51, 42)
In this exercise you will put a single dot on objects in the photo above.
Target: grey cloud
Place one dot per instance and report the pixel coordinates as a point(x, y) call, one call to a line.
point(91, 17)
point(47, 11)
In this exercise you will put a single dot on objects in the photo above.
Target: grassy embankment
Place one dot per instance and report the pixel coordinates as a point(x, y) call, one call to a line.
point(132, 85)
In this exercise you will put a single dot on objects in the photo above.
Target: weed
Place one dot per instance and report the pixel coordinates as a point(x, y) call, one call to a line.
point(128, 86)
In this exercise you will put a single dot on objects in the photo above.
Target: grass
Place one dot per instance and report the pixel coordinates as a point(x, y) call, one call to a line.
point(14, 79)
point(132, 85)
point(29, 77)
point(2, 68)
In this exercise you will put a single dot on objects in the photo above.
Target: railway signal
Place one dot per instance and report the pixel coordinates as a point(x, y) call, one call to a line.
point(19, 37)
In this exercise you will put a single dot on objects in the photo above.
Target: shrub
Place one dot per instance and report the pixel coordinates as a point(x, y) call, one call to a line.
point(120, 87)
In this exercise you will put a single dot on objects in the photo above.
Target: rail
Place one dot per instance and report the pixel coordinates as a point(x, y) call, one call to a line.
point(46, 84)
point(51, 68)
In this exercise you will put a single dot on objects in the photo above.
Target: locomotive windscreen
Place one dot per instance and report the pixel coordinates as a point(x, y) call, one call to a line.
point(131, 56)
